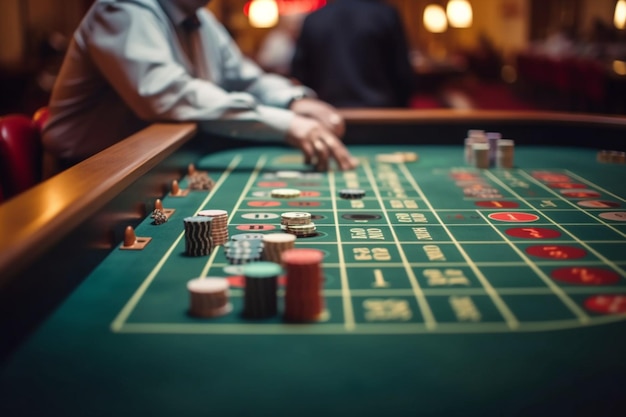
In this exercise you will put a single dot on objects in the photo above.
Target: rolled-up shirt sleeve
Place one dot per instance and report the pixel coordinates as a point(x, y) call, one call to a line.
point(131, 49)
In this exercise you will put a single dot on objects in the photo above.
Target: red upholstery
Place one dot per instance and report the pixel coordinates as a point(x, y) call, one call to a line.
point(20, 154)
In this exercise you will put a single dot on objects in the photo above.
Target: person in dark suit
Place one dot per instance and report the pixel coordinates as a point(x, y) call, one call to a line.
point(354, 53)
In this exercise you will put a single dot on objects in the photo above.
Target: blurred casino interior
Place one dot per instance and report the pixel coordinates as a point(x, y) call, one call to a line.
point(564, 55)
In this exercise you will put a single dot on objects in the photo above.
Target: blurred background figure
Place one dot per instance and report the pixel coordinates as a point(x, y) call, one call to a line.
point(354, 53)
point(276, 50)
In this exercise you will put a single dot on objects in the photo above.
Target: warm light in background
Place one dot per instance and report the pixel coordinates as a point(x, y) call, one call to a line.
point(459, 13)
point(263, 13)
point(620, 14)
point(291, 6)
point(435, 19)
point(619, 67)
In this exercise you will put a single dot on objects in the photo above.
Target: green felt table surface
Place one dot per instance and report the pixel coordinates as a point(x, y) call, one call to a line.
point(432, 307)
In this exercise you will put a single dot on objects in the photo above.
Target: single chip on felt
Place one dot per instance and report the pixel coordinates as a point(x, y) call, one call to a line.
point(288, 174)
point(158, 217)
point(285, 193)
point(390, 158)
point(351, 193)
point(408, 156)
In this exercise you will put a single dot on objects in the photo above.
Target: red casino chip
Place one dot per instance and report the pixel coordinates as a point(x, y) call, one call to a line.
point(556, 252)
point(606, 304)
point(585, 276)
point(533, 233)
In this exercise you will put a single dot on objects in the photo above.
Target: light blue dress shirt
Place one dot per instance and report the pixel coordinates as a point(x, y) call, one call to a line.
point(127, 67)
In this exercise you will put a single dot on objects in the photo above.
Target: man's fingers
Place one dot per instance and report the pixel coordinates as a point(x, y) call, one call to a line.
point(309, 152)
point(322, 152)
point(339, 152)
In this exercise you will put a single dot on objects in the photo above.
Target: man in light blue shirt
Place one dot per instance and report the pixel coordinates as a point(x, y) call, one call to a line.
point(135, 62)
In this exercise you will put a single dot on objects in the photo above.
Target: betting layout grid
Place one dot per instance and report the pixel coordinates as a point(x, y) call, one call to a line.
point(529, 254)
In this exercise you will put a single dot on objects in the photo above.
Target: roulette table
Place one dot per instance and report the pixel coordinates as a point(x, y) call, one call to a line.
point(447, 289)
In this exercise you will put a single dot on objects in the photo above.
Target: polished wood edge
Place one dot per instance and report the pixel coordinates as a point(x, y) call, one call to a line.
point(452, 116)
point(34, 221)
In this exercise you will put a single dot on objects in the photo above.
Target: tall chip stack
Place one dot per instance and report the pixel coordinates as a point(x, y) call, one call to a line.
point(493, 138)
point(198, 240)
point(505, 153)
point(219, 232)
point(260, 298)
point(304, 301)
point(481, 155)
point(474, 136)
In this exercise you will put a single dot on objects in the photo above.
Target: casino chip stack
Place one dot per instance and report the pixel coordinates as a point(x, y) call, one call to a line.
point(285, 193)
point(244, 250)
point(304, 301)
point(481, 155)
point(260, 299)
point(274, 244)
point(298, 223)
point(351, 193)
point(474, 136)
point(219, 231)
point(209, 297)
point(198, 241)
point(158, 216)
point(199, 180)
point(505, 153)
point(611, 157)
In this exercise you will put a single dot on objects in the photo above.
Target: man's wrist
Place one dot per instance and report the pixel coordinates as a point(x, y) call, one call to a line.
point(296, 97)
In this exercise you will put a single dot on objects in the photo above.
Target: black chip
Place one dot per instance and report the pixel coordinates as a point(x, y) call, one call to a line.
point(361, 216)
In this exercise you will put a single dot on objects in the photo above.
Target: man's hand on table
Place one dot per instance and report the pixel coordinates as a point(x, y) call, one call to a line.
point(321, 111)
point(319, 144)
point(316, 130)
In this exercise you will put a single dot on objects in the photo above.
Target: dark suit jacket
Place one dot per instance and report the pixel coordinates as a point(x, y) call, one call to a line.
point(354, 53)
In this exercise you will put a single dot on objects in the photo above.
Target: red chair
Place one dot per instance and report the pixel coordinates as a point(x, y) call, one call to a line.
point(20, 154)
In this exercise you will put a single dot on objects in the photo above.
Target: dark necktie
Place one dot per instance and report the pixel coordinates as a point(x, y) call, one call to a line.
point(193, 46)
point(191, 23)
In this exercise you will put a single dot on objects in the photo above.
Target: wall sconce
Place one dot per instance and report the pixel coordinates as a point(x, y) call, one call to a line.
point(263, 13)
point(435, 19)
point(459, 13)
point(619, 19)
